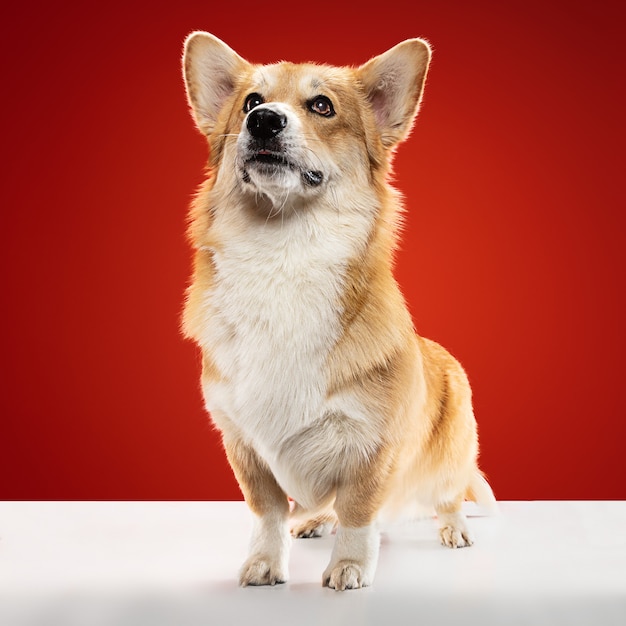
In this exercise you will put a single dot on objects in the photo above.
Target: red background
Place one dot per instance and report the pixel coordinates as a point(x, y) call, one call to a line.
point(513, 255)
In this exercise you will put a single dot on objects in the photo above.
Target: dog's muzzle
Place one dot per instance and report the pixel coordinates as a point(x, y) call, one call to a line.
point(264, 126)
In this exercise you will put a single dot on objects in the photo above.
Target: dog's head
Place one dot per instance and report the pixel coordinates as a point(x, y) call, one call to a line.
point(286, 133)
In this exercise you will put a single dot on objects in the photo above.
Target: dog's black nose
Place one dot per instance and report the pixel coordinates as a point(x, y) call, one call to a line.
point(265, 123)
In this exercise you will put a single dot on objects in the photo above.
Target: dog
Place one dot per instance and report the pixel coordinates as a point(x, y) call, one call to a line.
point(333, 412)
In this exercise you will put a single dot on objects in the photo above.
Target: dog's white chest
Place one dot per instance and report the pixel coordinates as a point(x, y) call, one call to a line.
point(272, 318)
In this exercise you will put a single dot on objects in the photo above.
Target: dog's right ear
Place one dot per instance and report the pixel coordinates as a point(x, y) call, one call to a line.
point(210, 69)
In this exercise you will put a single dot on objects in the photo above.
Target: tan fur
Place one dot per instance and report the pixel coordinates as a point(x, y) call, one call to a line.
point(406, 431)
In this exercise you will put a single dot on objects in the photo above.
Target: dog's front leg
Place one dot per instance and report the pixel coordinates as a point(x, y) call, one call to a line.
point(267, 563)
point(355, 553)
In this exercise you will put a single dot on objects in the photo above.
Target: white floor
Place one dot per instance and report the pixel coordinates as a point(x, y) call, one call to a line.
point(154, 563)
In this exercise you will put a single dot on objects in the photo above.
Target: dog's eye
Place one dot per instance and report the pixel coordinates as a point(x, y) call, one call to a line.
point(322, 106)
point(253, 100)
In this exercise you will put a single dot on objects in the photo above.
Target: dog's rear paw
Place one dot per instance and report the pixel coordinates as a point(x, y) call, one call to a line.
point(455, 536)
point(345, 575)
point(261, 570)
point(317, 527)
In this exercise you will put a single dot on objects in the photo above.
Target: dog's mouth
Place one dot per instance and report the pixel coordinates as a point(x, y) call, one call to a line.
point(271, 162)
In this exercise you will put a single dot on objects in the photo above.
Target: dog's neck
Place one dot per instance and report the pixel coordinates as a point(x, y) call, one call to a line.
point(279, 206)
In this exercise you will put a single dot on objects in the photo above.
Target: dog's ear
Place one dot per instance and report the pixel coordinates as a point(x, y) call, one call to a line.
point(210, 69)
point(394, 82)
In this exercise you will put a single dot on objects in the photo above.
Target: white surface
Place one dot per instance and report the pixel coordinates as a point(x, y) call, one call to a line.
point(86, 563)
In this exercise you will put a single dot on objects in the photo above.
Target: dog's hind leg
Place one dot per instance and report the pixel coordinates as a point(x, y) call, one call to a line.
point(270, 542)
point(453, 531)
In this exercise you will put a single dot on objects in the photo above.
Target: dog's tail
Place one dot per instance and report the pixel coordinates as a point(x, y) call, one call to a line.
point(480, 492)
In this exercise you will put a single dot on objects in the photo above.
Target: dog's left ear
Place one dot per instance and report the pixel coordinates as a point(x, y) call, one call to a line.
point(394, 82)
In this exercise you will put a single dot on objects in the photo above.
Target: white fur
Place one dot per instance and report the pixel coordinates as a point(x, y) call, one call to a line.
point(271, 321)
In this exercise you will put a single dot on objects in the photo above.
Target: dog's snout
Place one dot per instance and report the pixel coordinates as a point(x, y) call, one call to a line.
point(265, 123)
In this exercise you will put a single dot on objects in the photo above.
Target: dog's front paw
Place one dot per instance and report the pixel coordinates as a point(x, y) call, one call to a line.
point(345, 575)
point(455, 536)
point(261, 570)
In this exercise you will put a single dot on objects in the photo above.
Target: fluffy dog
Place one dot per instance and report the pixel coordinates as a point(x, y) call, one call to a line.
point(312, 371)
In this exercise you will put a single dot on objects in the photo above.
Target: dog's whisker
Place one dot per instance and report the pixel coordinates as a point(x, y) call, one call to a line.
point(335, 203)
point(316, 156)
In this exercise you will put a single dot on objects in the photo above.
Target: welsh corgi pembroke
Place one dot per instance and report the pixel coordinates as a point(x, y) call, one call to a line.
point(333, 412)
